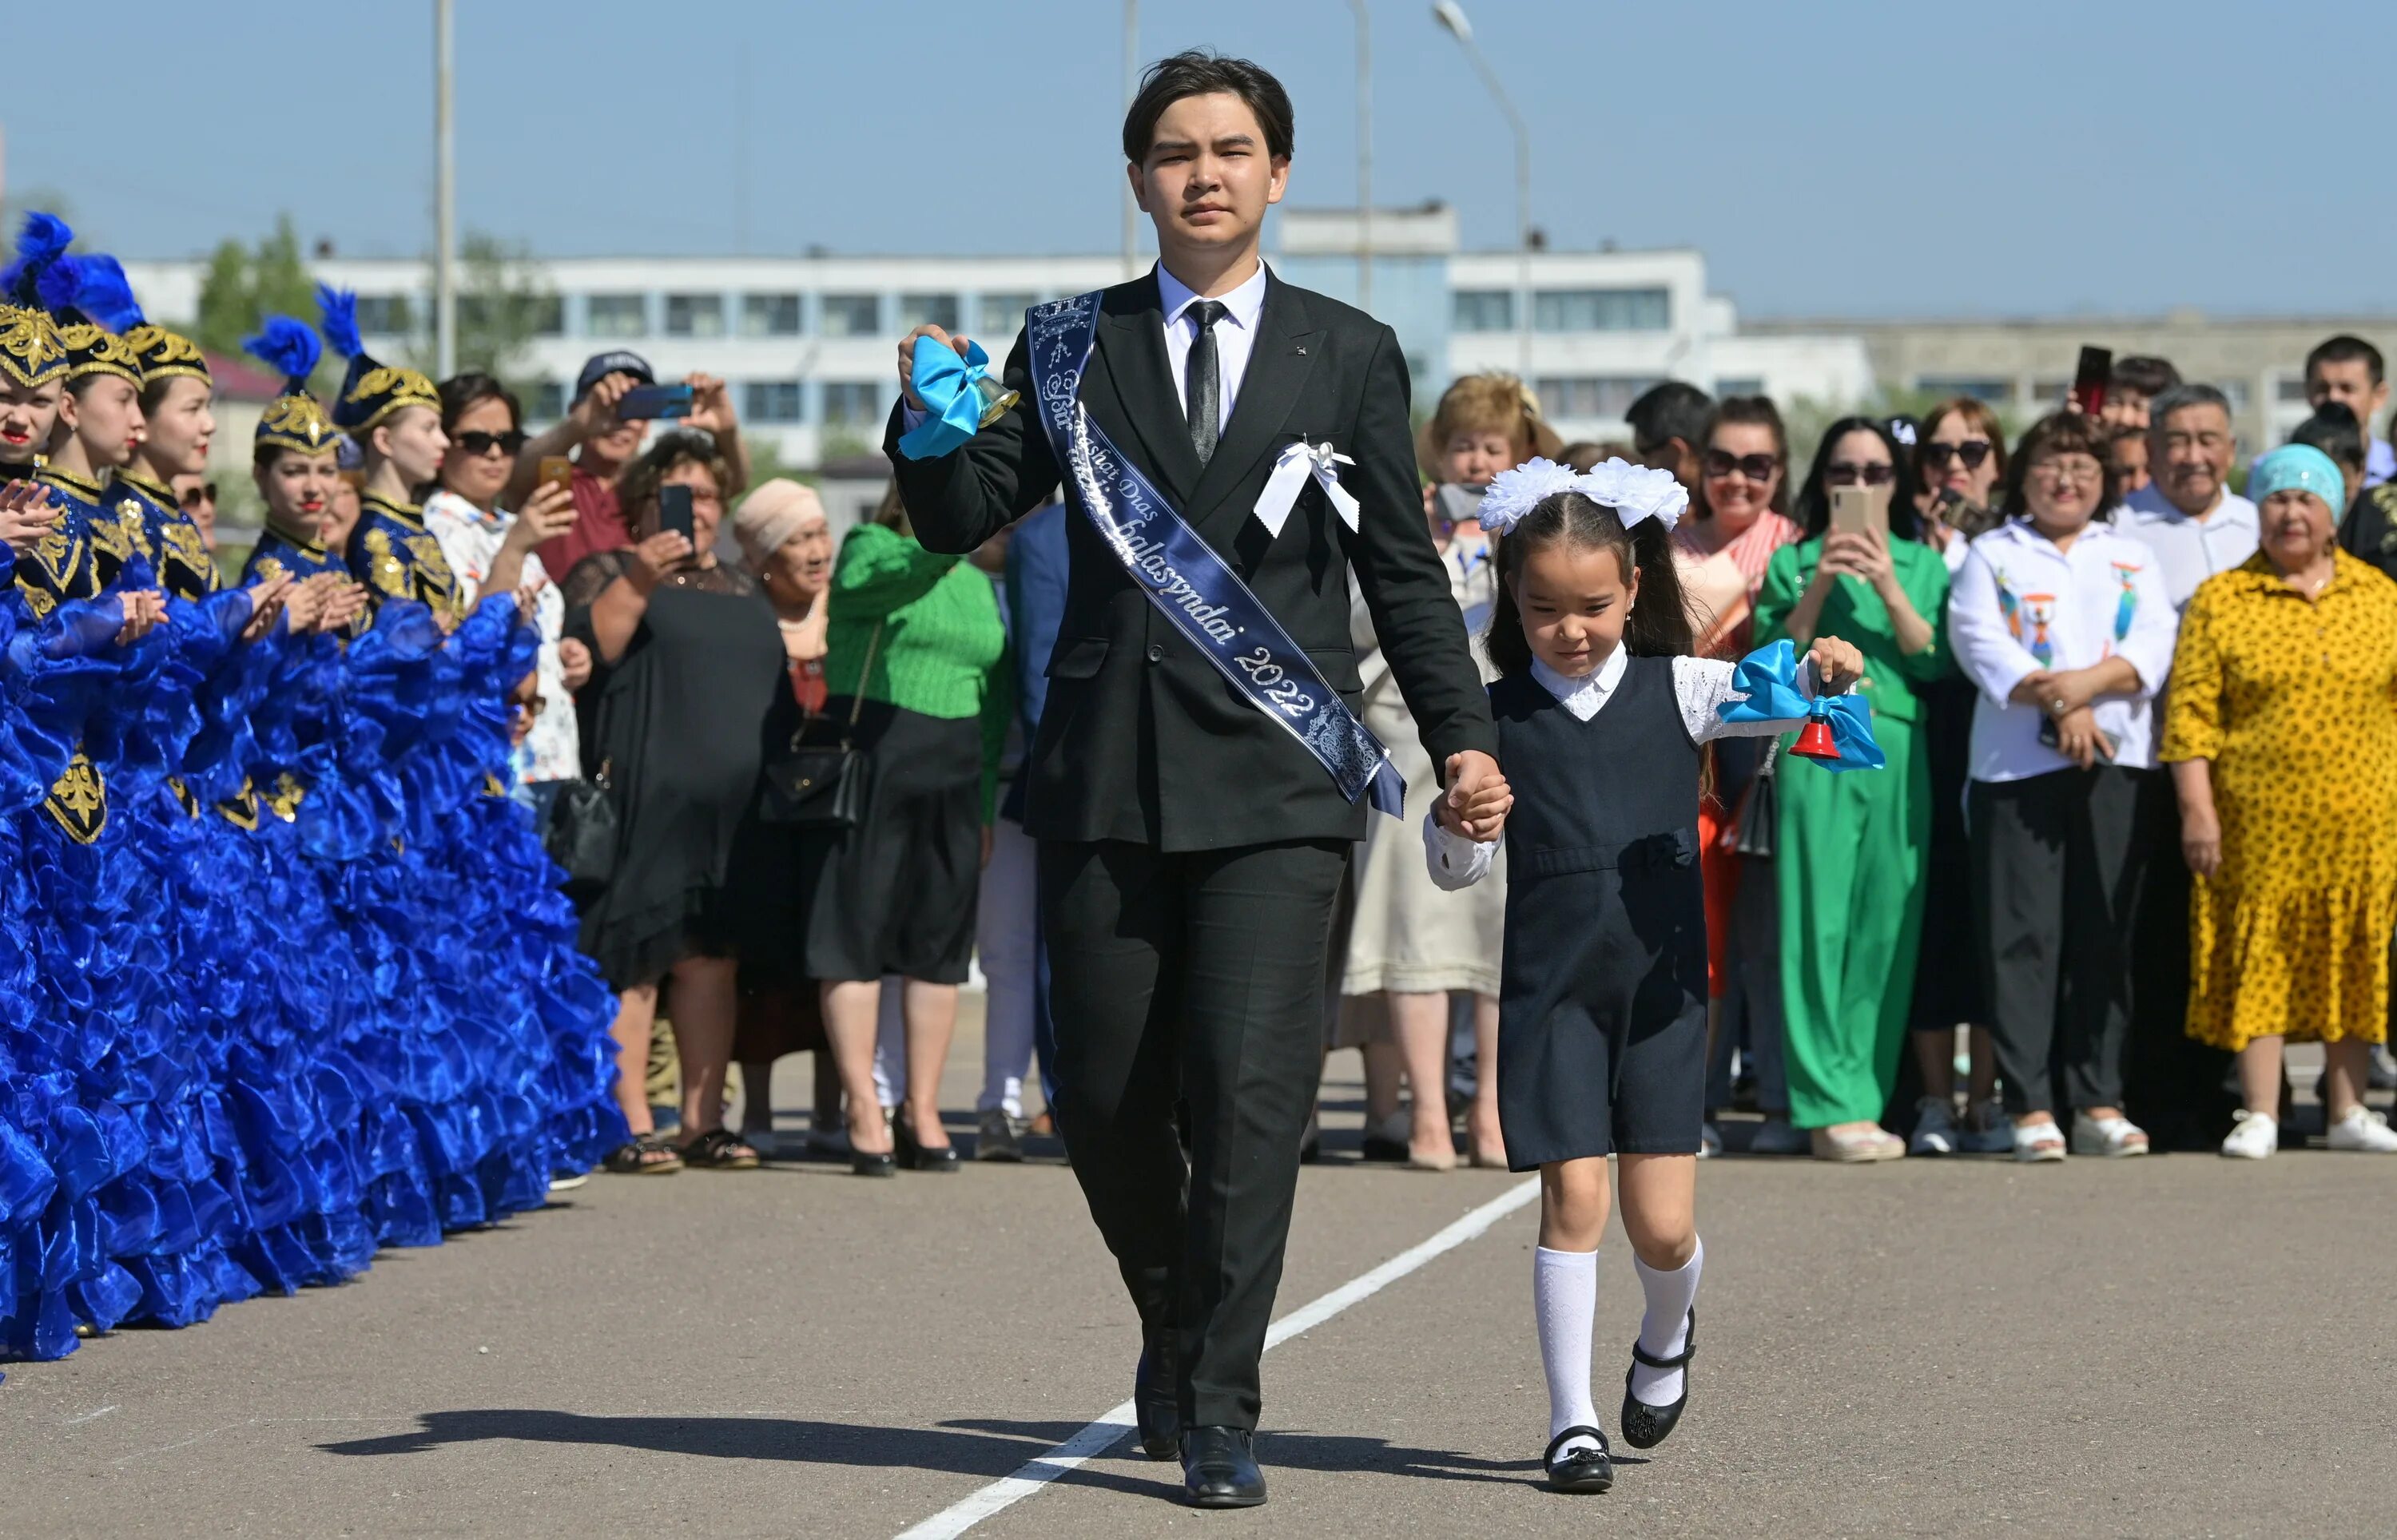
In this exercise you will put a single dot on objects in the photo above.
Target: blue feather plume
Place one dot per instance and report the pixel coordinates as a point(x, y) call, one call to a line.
point(41, 242)
point(56, 285)
point(104, 295)
point(341, 323)
point(290, 348)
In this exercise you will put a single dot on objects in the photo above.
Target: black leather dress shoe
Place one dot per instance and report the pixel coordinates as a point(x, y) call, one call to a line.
point(1646, 1427)
point(1579, 1469)
point(1154, 1403)
point(1219, 1470)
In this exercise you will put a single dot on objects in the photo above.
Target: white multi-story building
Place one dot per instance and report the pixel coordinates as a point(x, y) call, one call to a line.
point(807, 341)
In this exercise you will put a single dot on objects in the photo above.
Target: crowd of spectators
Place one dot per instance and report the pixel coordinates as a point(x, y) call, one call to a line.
point(2116, 697)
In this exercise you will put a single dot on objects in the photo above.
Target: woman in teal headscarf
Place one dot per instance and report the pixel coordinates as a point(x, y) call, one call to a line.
point(2282, 734)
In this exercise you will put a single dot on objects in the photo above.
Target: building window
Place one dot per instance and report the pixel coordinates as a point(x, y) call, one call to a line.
point(852, 315)
point(1994, 393)
point(694, 315)
point(1601, 310)
point(928, 309)
point(384, 314)
point(2289, 390)
point(770, 315)
point(545, 400)
point(770, 400)
point(1589, 398)
point(1750, 386)
point(1481, 311)
point(855, 403)
point(2235, 391)
point(529, 315)
point(2048, 394)
point(1002, 315)
point(618, 315)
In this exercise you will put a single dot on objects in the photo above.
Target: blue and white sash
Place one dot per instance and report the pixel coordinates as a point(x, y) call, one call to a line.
point(1181, 575)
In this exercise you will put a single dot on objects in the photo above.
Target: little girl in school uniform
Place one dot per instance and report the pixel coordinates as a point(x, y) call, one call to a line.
point(1602, 1014)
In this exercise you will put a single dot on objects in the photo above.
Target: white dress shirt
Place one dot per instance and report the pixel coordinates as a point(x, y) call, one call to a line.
point(1236, 335)
point(2019, 605)
point(1701, 686)
point(2189, 550)
point(470, 542)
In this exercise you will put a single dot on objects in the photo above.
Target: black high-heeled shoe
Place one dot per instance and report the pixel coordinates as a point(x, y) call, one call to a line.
point(915, 1154)
point(1646, 1427)
point(862, 1164)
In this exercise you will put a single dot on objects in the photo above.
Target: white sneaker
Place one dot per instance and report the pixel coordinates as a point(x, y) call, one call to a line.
point(2254, 1137)
point(1995, 1136)
point(1934, 1131)
point(1775, 1136)
point(2115, 1138)
point(1709, 1141)
point(2365, 1129)
point(2034, 1143)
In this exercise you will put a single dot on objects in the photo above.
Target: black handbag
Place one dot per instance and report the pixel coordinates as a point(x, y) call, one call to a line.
point(1753, 833)
point(583, 828)
point(818, 786)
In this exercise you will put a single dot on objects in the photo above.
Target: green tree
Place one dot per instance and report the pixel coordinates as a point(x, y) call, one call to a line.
point(504, 303)
point(244, 285)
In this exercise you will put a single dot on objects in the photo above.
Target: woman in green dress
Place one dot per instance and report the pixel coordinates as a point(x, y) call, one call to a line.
point(1852, 849)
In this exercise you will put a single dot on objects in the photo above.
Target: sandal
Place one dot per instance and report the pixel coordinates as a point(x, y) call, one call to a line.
point(719, 1150)
point(1580, 1469)
point(644, 1155)
point(2035, 1143)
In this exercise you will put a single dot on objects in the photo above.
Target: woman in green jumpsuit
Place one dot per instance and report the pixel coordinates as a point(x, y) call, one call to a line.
point(1851, 848)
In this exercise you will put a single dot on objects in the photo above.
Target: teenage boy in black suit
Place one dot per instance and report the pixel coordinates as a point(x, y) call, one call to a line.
point(1190, 847)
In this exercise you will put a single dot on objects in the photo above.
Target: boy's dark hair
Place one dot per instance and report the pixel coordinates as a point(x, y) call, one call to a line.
point(1202, 72)
point(2334, 430)
point(1657, 627)
point(1812, 507)
point(1675, 409)
point(2344, 349)
point(2065, 433)
point(2149, 376)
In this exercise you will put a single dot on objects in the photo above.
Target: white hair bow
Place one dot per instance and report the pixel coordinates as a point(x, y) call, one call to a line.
point(1635, 492)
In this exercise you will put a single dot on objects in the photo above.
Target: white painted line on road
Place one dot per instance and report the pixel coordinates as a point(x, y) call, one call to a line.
point(92, 1416)
point(1113, 1425)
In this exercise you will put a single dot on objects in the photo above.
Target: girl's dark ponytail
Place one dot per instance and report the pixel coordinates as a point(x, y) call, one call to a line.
point(1659, 624)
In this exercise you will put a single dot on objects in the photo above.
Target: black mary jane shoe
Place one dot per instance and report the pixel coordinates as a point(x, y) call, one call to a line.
point(1579, 1469)
point(1646, 1427)
point(1219, 1469)
point(1155, 1405)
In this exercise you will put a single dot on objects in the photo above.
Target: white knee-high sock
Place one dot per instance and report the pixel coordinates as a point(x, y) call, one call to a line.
point(1564, 1298)
point(1665, 1325)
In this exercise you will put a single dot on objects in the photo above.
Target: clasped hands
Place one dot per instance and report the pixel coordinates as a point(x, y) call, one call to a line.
point(2068, 695)
point(1478, 799)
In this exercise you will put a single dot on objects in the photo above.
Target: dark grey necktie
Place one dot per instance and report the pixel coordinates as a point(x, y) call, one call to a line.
point(1203, 380)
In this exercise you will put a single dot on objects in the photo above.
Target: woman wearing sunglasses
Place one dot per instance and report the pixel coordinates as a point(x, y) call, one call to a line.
point(1959, 457)
point(1960, 460)
point(1735, 523)
point(491, 551)
point(1851, 849)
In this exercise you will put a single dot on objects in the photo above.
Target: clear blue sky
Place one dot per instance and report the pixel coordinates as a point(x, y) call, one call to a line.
point(1833, 158)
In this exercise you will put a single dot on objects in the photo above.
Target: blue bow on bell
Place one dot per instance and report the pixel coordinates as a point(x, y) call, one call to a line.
point(1837, 734)
point(952, 400)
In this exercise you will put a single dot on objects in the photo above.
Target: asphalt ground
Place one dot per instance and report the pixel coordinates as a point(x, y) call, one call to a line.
point(2174, 1346)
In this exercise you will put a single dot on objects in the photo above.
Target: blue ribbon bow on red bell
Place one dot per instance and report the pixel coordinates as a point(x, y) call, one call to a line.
point(953, 398)
point(1838, 732)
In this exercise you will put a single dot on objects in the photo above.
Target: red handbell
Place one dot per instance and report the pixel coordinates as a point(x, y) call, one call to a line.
point(1814, 740)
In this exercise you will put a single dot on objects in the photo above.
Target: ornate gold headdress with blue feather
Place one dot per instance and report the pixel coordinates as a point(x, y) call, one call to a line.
point(38, 281)
point(295, 419)
point(92, 328)
point(370, 392)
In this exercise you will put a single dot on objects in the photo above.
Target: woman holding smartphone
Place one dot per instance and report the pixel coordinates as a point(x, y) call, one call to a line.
point(686, 661)
point(1851, 850)
point(2067, 629)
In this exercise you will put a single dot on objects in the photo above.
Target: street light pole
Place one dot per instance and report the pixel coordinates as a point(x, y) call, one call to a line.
point(1364, 157)
point(1450, 15)
point(1131, 87)
point(444, 198)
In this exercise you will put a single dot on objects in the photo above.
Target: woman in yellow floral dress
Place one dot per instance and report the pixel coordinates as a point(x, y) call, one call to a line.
point(2283, 733)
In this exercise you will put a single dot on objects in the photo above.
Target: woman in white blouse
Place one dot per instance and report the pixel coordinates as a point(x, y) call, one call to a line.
point(2063, 624)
